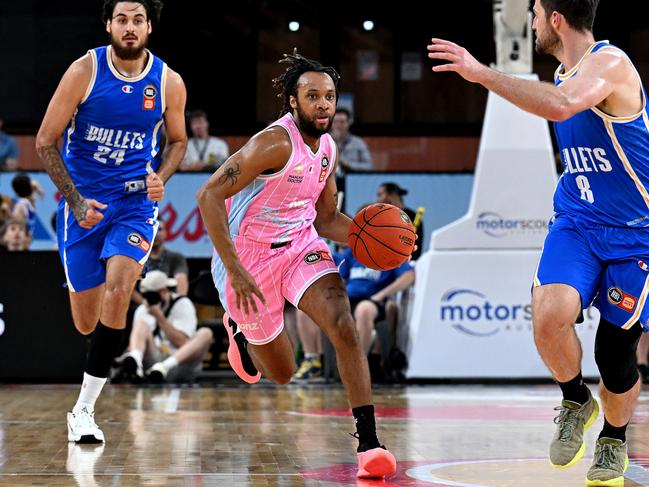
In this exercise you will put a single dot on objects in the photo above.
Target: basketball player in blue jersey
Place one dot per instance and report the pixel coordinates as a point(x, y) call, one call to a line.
point(597, 249)
point(110, 106)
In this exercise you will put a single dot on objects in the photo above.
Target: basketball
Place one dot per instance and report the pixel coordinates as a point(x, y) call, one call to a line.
point(381, 237)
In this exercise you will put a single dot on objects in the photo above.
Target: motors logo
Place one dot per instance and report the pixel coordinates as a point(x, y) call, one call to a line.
point(494, 225)
point(472, 313)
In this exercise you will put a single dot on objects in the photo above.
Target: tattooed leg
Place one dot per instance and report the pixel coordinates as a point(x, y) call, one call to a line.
point(326, 303)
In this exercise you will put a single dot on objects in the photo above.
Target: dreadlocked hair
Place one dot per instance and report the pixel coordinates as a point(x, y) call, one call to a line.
point(286, 83)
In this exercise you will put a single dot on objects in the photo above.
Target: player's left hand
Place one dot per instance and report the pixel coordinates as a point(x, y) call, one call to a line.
point(459, 60)
point(155, 188)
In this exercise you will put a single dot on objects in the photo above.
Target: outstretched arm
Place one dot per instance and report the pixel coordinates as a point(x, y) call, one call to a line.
point(598, 76)
point(63, 104)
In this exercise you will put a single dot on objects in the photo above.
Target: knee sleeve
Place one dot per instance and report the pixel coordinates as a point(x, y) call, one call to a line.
point(615, 355)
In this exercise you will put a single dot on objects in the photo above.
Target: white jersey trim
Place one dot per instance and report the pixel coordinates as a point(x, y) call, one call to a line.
point(119, 76)
point(93, 77)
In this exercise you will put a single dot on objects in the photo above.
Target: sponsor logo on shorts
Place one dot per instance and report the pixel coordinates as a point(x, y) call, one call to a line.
point(621, 299)
point(313, 257)
point(292, 178)
point(643, 265)
point(138, 241)
point(248, 326)
point(317, 256)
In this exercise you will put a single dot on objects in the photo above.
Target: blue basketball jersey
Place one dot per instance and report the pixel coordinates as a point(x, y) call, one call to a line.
point(113, 139)
point(606, 162)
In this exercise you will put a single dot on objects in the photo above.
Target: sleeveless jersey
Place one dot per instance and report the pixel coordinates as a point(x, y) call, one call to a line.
point(112, 140)
point(606, 162)
point(279, 207)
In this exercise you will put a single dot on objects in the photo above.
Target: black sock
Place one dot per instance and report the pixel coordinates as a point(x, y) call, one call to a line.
point(104, 346)
point(575, 390)
point(365, 428)
point(610, 431)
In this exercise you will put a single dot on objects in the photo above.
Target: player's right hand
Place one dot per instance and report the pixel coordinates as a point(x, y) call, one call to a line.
point(243, 284)
point(87, 213)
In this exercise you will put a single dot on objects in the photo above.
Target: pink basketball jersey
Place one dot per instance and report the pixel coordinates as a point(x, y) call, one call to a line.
point(280, 207)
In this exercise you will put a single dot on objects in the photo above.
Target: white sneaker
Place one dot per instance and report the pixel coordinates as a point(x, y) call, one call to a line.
point(132, 367)
point(82, 427)
point(157, 373)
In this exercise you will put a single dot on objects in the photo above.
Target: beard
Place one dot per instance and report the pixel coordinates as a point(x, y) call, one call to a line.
point(549, 44)
point(308, 126)
point(128, 53)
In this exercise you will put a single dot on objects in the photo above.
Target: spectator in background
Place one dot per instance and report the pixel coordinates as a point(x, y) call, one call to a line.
point(204, 152)
point(13, 236)
point(24, 208)
point(354, 154)
point(164, 340)
point(8, 151)
point(393, 194)
point(171, 263)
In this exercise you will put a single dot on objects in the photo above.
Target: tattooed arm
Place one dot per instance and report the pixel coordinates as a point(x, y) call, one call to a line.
point(63, 104)
point(330, 222)
point(267, 151)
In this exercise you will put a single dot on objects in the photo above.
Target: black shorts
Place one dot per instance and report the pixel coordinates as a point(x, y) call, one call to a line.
point(379, 306)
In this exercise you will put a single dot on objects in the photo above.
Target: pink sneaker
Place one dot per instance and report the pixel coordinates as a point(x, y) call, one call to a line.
point(238, 357)
point(376, 463)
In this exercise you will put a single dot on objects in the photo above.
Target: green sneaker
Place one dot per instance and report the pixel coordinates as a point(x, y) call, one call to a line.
point(309, 369)
point(574, 419)
point(609, 463)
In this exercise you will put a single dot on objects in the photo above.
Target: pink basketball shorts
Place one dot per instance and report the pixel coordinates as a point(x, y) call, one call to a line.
point(283, 273)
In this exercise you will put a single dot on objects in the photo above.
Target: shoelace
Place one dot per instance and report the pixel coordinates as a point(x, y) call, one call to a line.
point(605, 457)
point(86, 418)
point(567, 421)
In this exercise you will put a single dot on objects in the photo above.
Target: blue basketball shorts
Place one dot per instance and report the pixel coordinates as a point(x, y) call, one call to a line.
point(128, 228)
point(608, 266)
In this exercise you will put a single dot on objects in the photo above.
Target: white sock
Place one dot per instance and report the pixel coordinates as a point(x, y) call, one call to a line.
point(137, 355)
point(169, 363)
point(310, 356)
point(90, 390)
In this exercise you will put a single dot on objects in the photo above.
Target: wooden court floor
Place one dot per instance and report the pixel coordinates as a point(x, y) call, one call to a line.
point(231, 436)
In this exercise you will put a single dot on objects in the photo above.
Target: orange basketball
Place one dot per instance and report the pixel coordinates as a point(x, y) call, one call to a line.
point(381, 237)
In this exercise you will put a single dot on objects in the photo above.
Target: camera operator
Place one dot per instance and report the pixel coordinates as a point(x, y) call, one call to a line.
point(164, 336)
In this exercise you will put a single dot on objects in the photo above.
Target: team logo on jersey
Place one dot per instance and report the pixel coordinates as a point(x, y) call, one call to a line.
point(299, 168)
point(150, 92)
point(137, 241)
point(621, 299)
point(128, 89)
point(325, 164)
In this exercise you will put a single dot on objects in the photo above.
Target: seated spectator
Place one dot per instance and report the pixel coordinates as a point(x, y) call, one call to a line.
point(171, 263)
point(311, 339)
point(204, 152)
point(164, 340)
point(368, 290)
point(392, 194)
point(8, 151)
point(25, 205)
point(13, 236)
point(354, 155)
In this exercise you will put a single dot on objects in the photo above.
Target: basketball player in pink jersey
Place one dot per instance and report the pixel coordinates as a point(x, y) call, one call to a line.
point(265, 210)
